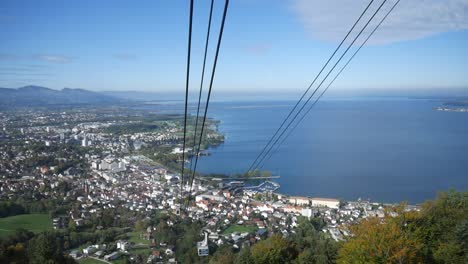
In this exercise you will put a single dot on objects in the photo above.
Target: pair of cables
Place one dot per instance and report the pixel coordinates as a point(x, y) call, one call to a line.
point(273, 145)
point(197, 143)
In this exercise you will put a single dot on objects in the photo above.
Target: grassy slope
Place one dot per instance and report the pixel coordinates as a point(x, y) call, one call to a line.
point(33, 222)
point(135, 238)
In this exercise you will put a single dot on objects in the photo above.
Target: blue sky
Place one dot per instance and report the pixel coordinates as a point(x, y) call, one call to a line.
point(268, 46)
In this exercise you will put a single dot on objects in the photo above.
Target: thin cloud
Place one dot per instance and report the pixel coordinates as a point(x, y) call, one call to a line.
point(55, 58)
point(20, 69)
point(36, 66)
point(412, 19)
point(16, 73)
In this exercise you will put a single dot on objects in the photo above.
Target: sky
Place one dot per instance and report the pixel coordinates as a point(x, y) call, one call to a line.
point(268, 45)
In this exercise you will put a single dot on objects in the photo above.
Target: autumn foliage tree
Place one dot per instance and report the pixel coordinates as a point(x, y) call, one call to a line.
point(224, 254)
point(273, 250)
point(386, 240)
point(438, 233)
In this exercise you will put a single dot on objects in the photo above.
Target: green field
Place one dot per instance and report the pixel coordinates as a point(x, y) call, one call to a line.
point(239, 228)
point(32, 222)
point(135, 238)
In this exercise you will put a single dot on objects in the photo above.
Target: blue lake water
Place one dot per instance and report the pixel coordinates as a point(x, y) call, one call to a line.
point(385, 150)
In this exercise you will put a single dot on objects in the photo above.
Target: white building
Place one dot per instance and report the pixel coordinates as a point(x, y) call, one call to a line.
point(307, 212)
point(123, 245)
point(218, 198)
point(178, 150)
point(89, 250)
point(297, 200)
point(325, 202)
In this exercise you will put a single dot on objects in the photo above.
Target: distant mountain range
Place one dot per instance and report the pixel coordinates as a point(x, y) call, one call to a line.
point(36, 96)
point(42, 96)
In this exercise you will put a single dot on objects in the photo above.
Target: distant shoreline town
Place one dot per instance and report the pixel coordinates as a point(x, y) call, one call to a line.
point(451, 109)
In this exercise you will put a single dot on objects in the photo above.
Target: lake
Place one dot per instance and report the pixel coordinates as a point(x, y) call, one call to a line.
point(388, 150)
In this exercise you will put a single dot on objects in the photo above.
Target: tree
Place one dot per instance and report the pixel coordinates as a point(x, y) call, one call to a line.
point(107, 219)
point(244, 256)
point(12, 247)
point(72, 225)
point(443, 226)
point(258, 196)
point(436, 234)
point(273, 250)
point(139, 226)
point(314, 246)
point(461, 234)
point(47, 247)
point(387, 240)
point(9, 209)
point(14, 254)
point(223, 255)
point(188, 236)
point(164, 233)
point(305, 257)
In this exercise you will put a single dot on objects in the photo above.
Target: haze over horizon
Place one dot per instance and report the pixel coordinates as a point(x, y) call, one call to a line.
point(274, 46)
point(284, 95)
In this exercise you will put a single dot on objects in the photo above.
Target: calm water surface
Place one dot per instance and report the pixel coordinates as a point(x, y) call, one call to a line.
point(385, 150)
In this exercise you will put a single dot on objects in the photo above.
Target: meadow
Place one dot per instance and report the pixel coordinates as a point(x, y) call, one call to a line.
point(32, 222)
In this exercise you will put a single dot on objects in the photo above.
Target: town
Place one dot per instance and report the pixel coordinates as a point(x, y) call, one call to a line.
point(112, 176)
